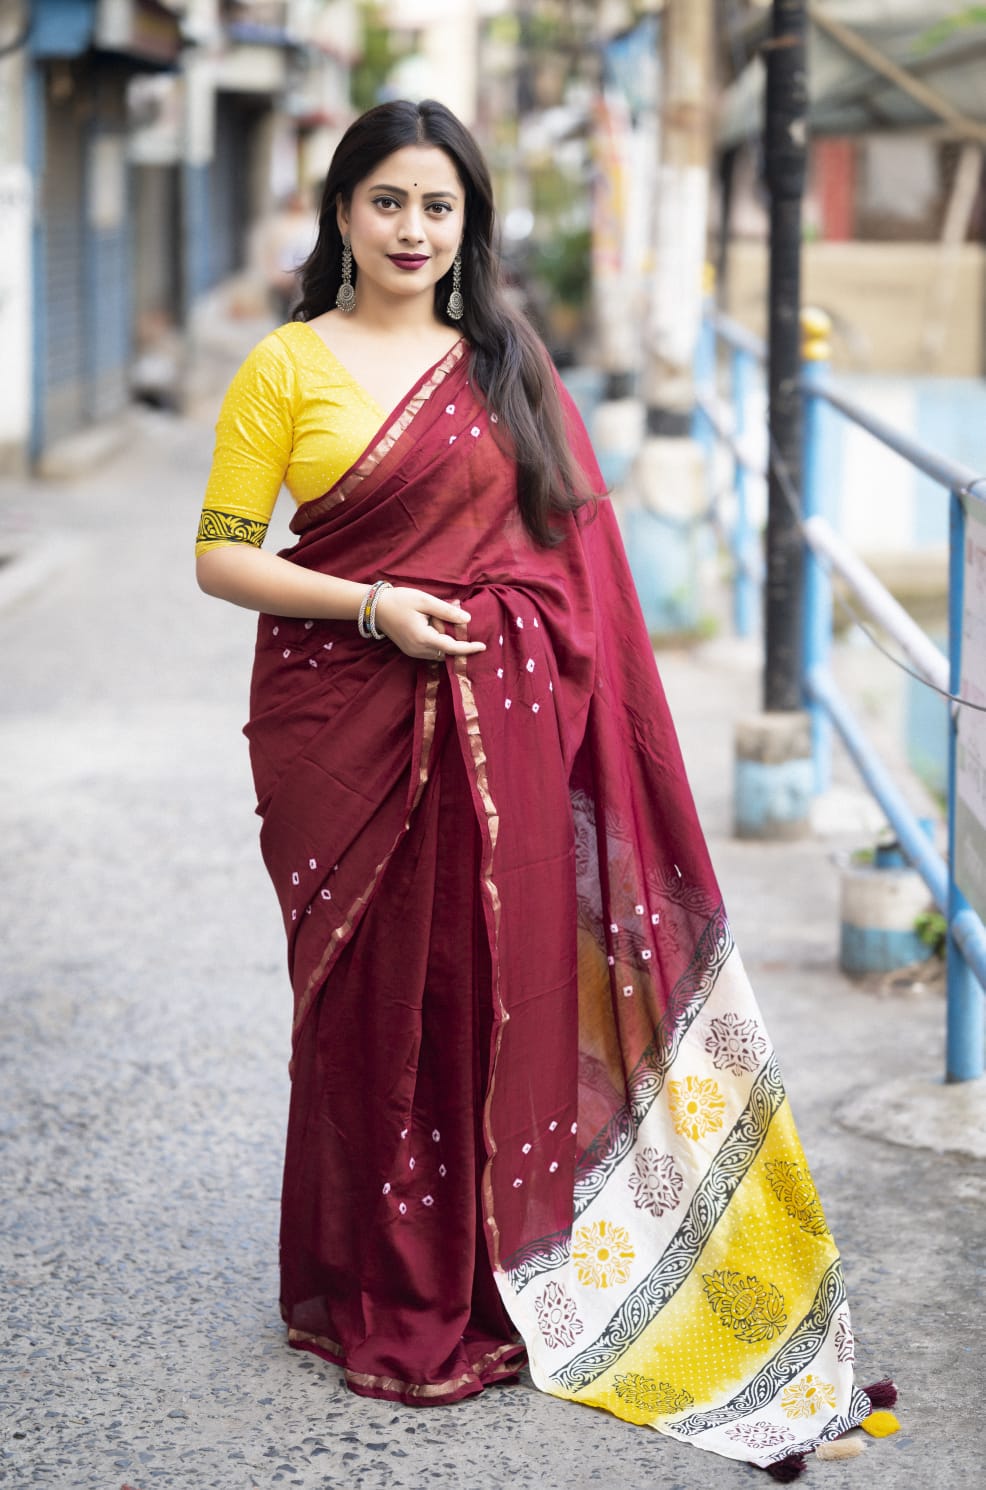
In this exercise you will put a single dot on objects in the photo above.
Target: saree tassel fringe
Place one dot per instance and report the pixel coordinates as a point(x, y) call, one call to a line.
point(882, 1393)
point(788, 1469)
point(880, 1424)
point(840, 1448)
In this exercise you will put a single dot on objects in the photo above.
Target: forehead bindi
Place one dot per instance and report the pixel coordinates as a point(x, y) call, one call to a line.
point(425, 170)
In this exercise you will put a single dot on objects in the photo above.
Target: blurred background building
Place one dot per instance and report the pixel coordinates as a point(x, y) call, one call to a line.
point(142, 145)
point(159, 160)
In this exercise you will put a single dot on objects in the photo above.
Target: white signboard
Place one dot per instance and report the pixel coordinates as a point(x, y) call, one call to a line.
point(970, 805)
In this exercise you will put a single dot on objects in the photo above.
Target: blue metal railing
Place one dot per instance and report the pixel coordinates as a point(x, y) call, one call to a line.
point(722, 422)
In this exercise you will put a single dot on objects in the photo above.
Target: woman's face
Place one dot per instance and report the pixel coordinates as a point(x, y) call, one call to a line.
point(405, 221)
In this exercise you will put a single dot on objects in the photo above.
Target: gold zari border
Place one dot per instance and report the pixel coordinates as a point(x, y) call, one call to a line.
point(479, 764)
point(368, 463)
point(408, 1388)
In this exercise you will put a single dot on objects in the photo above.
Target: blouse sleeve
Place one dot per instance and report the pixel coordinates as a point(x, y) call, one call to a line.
point(254, 439)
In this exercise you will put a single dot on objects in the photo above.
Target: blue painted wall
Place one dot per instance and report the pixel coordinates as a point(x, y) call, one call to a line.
point(197, 249)
point(62, 28)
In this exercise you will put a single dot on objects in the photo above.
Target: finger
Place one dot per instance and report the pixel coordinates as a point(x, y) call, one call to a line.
point(442, 610)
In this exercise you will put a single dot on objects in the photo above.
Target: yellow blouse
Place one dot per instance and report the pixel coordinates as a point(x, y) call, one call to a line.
point(292, 416)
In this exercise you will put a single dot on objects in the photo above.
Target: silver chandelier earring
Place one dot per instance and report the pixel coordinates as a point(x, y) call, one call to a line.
point(346, 297)
point(456, 304)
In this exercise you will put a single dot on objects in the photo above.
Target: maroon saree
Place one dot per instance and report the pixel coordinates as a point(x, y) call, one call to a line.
point(533, 1105)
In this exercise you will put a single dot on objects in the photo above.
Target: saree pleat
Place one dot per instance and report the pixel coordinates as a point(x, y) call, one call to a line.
point(531, 1089)
point(389, 1079)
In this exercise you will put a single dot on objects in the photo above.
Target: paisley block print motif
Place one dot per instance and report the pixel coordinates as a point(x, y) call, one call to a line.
point(657, 1397)
point(754, 1311)
point(797, 1194)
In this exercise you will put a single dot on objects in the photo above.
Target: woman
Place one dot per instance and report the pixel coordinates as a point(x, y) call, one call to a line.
point(534, 1109)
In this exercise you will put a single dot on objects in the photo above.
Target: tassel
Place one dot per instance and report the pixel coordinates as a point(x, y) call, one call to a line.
point(882, 1393)
point(880, 1424)
point(840, 1448)
point(787, 1469)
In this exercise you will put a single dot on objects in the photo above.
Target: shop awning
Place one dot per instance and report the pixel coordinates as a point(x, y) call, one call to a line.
point(146, 31)
point(848, 93)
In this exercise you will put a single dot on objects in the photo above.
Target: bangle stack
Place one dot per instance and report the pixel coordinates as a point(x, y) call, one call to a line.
point(366, 621)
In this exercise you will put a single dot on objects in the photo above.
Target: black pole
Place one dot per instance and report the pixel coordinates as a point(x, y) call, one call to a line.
point(784, 152)
point(727, 174)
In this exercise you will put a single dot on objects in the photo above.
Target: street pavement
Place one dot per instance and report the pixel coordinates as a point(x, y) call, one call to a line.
point(145, 1021)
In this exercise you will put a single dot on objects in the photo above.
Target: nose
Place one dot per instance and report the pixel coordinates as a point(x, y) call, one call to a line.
point(411, 228)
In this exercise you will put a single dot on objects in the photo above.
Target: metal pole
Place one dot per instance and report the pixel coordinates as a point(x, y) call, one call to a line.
point(706, 381)
point(745, 544)
point(965, 1016)
point(784, 142)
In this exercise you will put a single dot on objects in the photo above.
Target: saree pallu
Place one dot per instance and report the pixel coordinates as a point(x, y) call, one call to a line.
point(524, 1050)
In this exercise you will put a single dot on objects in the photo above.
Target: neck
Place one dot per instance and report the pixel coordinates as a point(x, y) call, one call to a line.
point(394, 315)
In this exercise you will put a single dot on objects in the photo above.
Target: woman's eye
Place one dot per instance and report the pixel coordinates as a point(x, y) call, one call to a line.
point(438, 208)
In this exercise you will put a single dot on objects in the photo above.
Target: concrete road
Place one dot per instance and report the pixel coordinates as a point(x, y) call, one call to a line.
point(145, 1018)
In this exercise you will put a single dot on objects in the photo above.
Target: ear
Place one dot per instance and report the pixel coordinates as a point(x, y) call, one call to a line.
point(342, 216)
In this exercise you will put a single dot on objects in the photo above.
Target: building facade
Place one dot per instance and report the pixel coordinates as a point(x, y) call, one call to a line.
point(141, 143)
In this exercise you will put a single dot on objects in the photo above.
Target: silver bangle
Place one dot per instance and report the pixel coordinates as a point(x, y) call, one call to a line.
point(366, 617)
point(378, 589)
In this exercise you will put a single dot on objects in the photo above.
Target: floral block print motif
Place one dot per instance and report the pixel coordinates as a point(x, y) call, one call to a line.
point(558, 1317)
point(655, 1183)
point(651, 1396)
point(845, 1345)
point(697, 1106)
point(735, 1044)
point(754, 1311)
point(760, 1435)
point(807, 1396)
point(602, 1254)
point(796, 1193)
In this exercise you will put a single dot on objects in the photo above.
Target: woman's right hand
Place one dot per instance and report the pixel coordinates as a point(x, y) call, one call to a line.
point(415, 621)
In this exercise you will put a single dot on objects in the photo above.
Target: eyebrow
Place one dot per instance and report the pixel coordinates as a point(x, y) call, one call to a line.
point(399, 191)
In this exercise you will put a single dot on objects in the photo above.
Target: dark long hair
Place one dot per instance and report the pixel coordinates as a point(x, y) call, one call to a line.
point(509, 364)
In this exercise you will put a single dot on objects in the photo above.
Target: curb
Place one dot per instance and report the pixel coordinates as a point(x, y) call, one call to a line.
point(922, 1112)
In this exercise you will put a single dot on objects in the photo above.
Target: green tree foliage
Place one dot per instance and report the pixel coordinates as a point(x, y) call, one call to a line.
point(377, 56)
point(971, 15)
